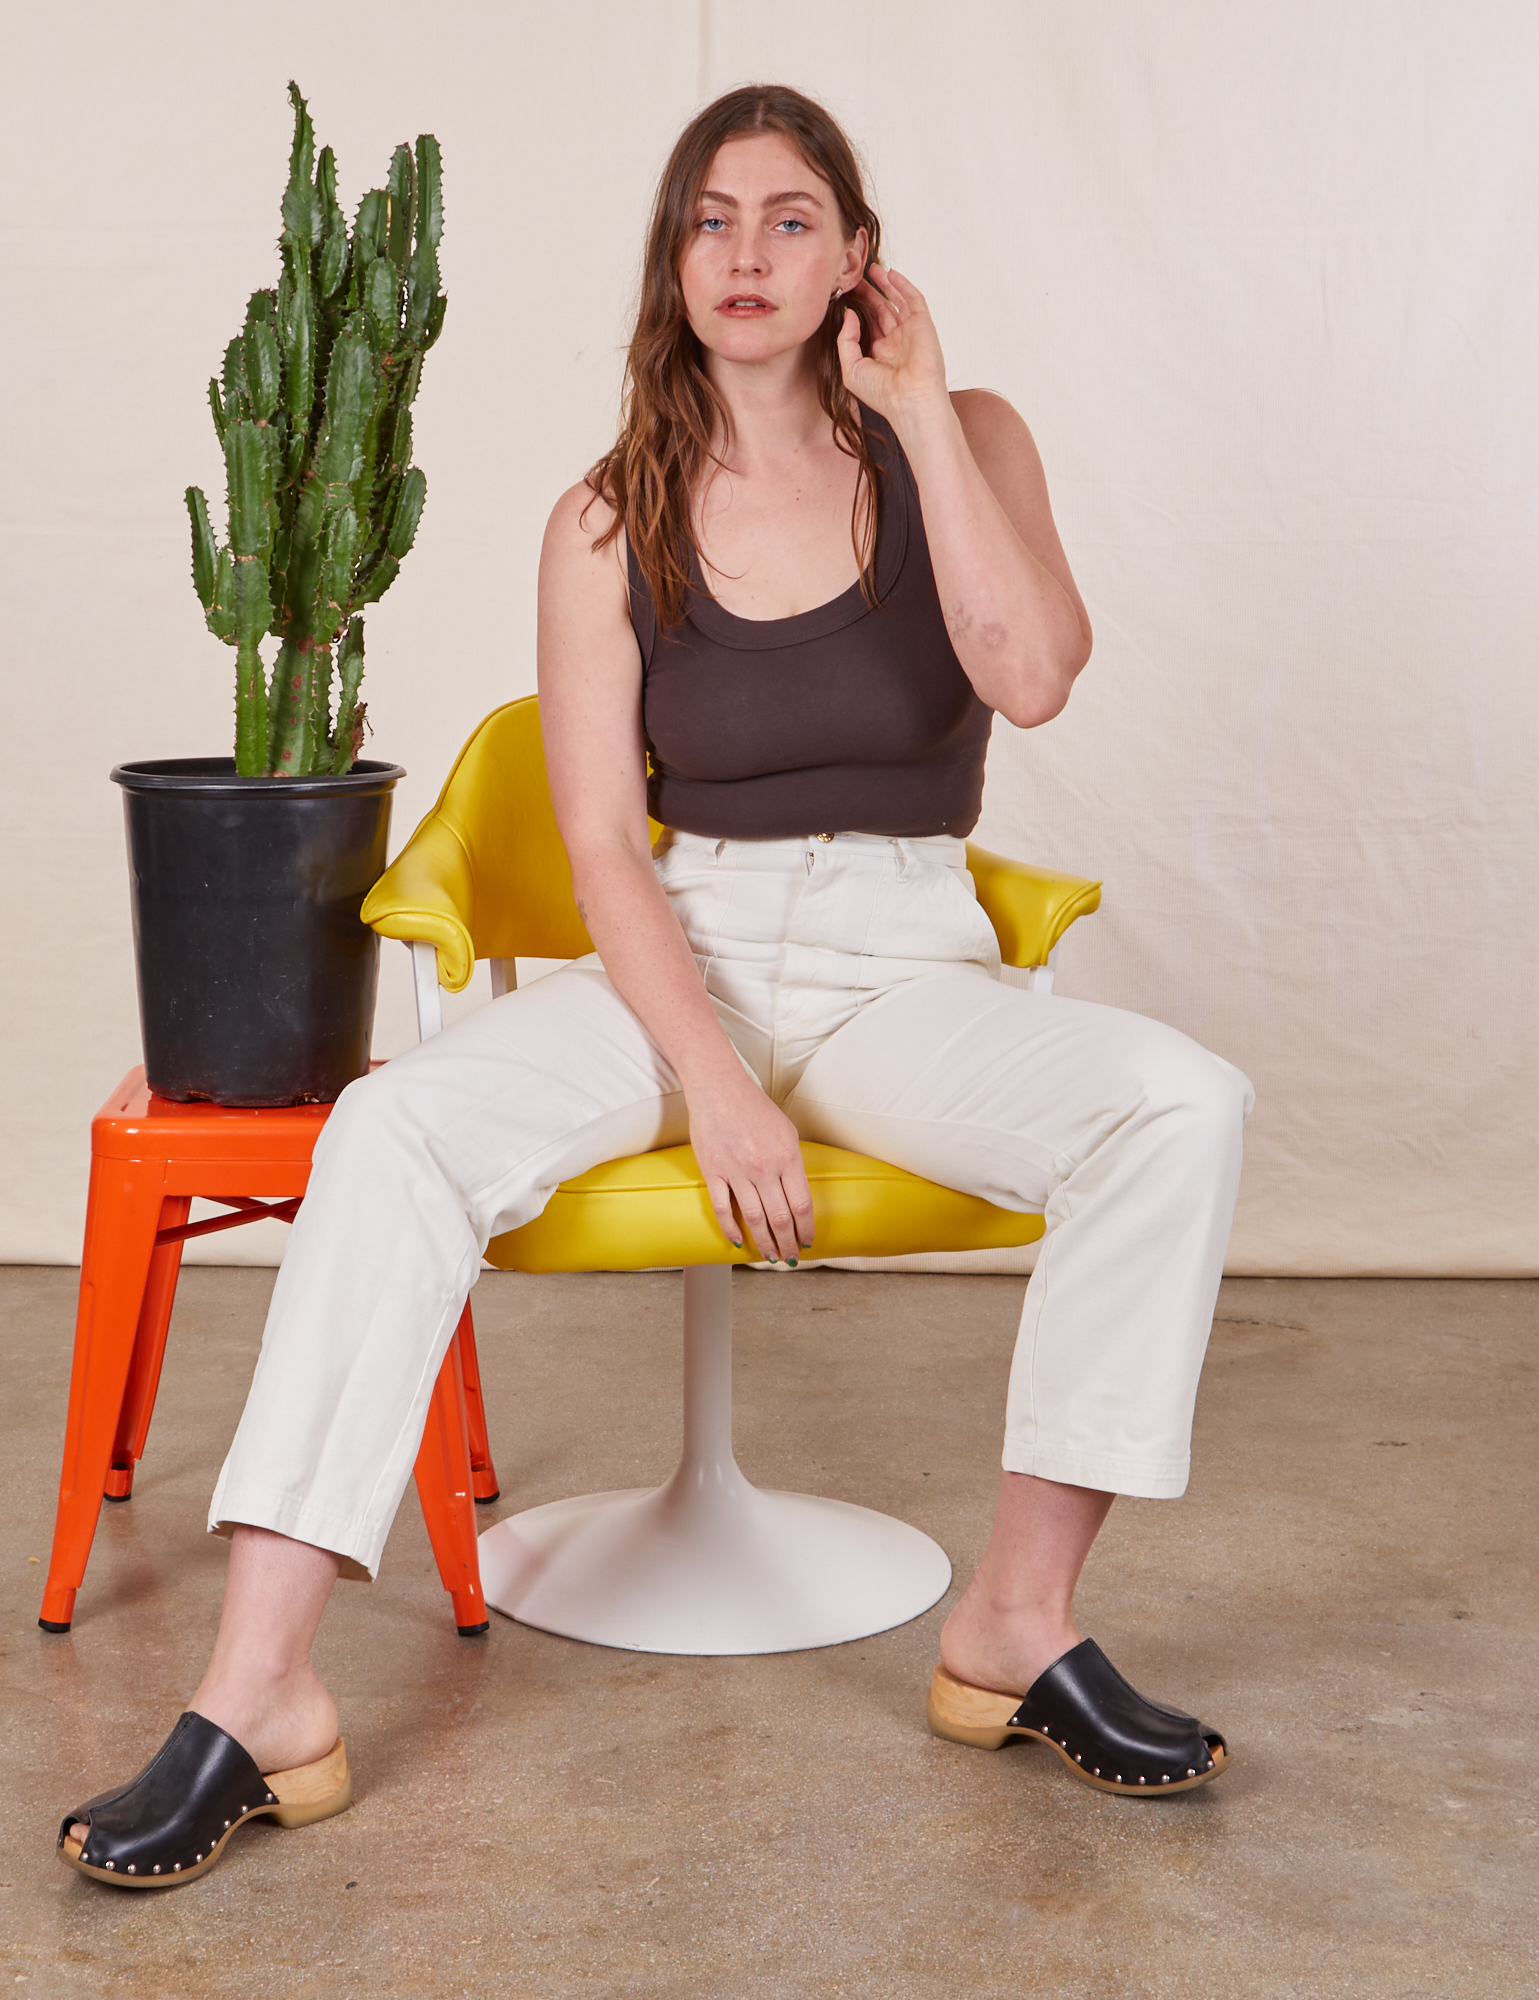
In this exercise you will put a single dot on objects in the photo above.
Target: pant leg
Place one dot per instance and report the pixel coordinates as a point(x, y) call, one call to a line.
point(1125, 1134)
point(418, 1166)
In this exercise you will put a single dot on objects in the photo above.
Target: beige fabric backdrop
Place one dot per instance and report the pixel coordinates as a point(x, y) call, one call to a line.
point(1261, 280)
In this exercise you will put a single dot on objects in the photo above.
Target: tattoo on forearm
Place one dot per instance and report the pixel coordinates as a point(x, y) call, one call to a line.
point(960, 621)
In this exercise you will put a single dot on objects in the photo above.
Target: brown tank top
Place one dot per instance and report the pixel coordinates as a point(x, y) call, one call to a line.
point(843, 719)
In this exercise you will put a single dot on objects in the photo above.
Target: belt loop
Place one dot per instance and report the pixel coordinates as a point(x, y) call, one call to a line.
point(716, 852)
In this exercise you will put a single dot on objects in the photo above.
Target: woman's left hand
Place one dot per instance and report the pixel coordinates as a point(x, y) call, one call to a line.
point(905, 366)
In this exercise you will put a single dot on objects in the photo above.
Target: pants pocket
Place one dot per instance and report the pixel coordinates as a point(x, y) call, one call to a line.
point(927, 914)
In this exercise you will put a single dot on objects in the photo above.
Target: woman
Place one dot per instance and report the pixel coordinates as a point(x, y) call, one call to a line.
point(804, 580)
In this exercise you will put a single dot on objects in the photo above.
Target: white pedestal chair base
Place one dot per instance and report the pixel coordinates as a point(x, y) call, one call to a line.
point(708, 1564)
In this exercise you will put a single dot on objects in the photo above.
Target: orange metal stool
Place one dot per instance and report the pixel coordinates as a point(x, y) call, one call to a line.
point(149, 1158)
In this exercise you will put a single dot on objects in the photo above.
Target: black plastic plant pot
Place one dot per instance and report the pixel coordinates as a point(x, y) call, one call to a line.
point(256, 976)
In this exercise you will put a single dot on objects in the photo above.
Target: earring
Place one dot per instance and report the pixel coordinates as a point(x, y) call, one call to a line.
point(838, 293)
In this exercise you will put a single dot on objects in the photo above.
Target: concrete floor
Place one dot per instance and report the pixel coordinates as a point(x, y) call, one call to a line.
point(1347, 1591)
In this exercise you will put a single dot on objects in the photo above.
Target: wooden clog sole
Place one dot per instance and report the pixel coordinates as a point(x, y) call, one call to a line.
point(981, 1718)
point(306, 1794)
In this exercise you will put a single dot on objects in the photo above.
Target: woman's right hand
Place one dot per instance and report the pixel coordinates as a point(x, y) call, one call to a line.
point(752, 1162)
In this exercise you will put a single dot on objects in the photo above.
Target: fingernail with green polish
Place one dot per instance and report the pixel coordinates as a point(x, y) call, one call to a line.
point(793, 1262)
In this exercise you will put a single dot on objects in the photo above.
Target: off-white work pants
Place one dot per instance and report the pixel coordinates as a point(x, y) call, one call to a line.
point(859, 981)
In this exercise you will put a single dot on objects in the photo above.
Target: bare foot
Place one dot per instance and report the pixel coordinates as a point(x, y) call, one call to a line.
point(282, 1725)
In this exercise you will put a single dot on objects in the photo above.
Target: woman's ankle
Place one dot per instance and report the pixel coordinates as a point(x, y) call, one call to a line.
point(283, 1719)
point(1004, 1645)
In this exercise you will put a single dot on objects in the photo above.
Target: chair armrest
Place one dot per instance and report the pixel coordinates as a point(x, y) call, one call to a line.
point(1030, 908)
point(427, 894)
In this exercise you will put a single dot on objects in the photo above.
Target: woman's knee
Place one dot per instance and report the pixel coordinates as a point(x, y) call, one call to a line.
point(1182, 1080)
point(374, 1112)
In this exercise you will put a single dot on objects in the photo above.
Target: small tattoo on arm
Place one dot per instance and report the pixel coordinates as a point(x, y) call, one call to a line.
point(960, 622)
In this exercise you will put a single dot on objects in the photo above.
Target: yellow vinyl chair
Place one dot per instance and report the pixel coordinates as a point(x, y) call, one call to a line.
point(705, 1564)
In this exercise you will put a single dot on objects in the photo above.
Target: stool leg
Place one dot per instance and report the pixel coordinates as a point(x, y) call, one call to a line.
point(483, 1474)
point(149, 1352)
point(122, 1214)
point(444, 1488)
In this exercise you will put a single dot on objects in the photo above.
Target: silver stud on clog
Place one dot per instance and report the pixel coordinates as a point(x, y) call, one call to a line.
point(176, 1867)
point(1190, 1772)
point(1165, 1780)
point(227, 1823)
point(1142, 1779)
point(131, 1869)
point(109, 1864)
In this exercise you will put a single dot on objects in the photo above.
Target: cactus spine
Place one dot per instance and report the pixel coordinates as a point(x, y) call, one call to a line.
point(313, 412)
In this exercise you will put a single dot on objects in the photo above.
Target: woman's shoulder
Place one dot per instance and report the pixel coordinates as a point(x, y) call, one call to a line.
point(583, 525)
point(998, 437)
point(985, 414)
point(581, 517)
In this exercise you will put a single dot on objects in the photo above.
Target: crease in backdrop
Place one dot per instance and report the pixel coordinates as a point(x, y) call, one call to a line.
point(1256, 278)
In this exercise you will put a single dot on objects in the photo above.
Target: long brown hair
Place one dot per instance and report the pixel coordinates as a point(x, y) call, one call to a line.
point(671, 416)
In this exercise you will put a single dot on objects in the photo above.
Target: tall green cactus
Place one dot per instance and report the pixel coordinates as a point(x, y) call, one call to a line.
point(313, 411)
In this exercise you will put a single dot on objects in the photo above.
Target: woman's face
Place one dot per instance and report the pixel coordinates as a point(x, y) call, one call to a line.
point(766, 251)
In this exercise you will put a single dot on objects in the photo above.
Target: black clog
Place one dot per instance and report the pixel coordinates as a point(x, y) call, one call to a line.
point(1104, 1730)
point(169, 1825)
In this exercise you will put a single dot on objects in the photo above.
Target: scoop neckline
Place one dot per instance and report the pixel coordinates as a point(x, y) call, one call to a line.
point(757, 635)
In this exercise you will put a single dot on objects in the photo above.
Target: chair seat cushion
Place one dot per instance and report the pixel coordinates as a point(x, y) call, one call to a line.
point(651, 1211)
